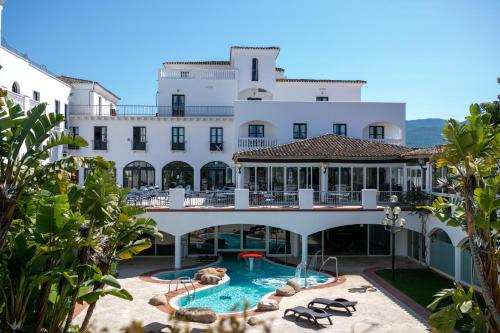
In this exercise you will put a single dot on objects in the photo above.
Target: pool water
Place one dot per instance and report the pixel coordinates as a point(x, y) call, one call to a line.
point(243, 286)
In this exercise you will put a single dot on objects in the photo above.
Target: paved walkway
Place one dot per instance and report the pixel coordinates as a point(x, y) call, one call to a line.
point(377, 311)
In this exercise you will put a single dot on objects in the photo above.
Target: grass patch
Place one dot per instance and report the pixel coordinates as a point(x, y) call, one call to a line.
point(419, 284)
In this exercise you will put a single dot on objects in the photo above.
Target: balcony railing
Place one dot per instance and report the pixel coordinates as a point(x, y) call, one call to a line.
point(202, 74)
point(398, 142)
point(254, 143)
point(149, 198)
point(337, 198)
point(138, 145)
point(274, 198)
point(152, 110)
point(216, 146)
point(181, 146)
point(209, 199)
point(100, 145)
point(24, 102)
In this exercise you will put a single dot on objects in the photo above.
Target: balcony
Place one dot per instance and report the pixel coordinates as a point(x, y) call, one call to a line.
point(216, 146)
point(138, 145)
point(24, 102)
point(100, 145)
point(398, 142)
point(201, 74)
point(151, 110)
point(245, 143)
point(178, 146)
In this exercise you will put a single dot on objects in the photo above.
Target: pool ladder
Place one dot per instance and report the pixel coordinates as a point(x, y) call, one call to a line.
point(184, 280)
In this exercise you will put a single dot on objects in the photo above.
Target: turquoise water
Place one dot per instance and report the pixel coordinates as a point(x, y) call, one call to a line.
point(243, 286)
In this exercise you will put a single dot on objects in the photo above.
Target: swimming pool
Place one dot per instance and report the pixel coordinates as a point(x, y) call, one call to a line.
point(243, 285)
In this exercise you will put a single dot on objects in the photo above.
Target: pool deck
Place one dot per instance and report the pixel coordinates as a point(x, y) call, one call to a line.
point(378, 311)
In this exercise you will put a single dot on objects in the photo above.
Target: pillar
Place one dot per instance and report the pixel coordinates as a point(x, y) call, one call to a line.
point(304, 249)
point(369, 198)
point(177, 198)
point(241, 198)
point(178, 252)
point(306, 198)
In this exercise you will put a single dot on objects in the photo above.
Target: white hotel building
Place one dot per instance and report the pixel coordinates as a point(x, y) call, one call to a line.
point(237, 156)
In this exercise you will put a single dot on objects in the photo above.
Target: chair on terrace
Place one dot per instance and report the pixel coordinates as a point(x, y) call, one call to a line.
point(311, 314)
point(334, 303)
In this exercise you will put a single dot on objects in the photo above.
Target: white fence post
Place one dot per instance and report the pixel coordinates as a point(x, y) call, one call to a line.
point(177, 198)
point(306, 198)
point(369, 198)
point(241, 198)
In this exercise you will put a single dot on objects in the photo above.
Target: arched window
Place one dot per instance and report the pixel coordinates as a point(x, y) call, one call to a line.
point(175, 174)
point(214, 176)
point(138, 174)
point(15, 88)
point(255, 69)
point(441, 250)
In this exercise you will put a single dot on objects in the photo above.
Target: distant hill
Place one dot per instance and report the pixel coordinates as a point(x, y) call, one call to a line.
point(424, 132)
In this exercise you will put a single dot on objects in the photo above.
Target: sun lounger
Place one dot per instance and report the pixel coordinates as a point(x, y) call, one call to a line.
point(334, 303)
point(311, 314)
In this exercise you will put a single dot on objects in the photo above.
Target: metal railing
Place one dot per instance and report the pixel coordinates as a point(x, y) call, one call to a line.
point(398, 142)
point(274, 198)
point(253, 143)
point(41, 67)
point(336, 198)
point(385, 196)
point(152, 110)
point(148, 198)
point(209, 199)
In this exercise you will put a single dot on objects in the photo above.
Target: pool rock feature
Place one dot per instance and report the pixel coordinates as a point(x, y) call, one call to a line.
point(209, 279)
point(197, 315)
point(285, 291)
point(253, 321)
point(268, 305)
point(158, 300)
point(294, 284)
point(216, 271)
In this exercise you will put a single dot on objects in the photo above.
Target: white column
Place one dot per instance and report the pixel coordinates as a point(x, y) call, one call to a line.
point(306, 198)
point(294, 244)
point(324, 179)
point(177, 198)
point(304, 248)
point(178, 252)
point(405, 179)
point(369, 198)
point(241, 198)
point(457, 263)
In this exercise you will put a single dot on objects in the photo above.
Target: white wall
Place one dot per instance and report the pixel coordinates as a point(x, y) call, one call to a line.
point(308, 91)
point(242, 60)
point(319, 116)
point(158, 136)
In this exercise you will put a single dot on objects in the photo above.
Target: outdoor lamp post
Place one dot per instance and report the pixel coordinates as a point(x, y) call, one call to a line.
point(394, 224)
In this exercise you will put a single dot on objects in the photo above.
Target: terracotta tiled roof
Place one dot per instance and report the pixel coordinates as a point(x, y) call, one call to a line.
point(209, 62)
point(326, 147)
point(320, 81)
point(73, 80)
point(424, 152)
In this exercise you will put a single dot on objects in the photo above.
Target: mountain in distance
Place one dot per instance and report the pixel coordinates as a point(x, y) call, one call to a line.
point(424, 132)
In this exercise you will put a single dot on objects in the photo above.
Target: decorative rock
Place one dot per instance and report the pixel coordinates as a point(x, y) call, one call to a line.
point(285, 291)
point(158, 300)
point(252, 321)
point(268, 305)
point(209, 279)
point(294, 284)
point(198, 315)
point(217, 271)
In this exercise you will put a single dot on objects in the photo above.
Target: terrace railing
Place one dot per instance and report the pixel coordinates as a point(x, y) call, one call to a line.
point(336, 198)
point(149, 198)
point(209, 199)
point(273, 198)
point(202, 74)
point(385, 196)
point(152, 110)
point(253, 143)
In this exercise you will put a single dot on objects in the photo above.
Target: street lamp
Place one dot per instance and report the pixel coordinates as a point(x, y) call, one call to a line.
point(394, 224)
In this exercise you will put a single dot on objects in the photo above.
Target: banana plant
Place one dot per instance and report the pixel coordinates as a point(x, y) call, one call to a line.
point(26, 140)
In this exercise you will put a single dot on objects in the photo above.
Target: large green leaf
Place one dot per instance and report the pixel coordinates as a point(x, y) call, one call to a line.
point(128, 251)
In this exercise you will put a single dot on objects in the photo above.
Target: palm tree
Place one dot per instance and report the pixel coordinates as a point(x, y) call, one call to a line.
point(26, 140)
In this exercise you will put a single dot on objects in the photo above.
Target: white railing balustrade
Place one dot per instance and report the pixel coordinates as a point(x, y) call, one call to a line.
point(254, 143)
point(274, 198)
point(337, 198)
point(16, 98)
point(385, 196)
point(152, 110)
point(203, 74)
point(209, 199)
point(397, 142)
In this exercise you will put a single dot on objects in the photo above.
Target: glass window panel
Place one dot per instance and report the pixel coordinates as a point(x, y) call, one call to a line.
point(315, 178)
point(357, 179)
point(333, 179)
point(278, 181)
point(229, 236)
point(303, 177)
point(279, 241)
point(249, 178)
point(254, 237)
point(291, 179)
point(202, 241)
point(371, 178)
point(380, 240)
point(262, 179)
point(383, 179)
point(346, 240)
point(177, 174)
point(345, 179)
point(397, 179)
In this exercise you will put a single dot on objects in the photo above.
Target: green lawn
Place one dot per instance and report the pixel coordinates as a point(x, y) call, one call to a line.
point(418, 284)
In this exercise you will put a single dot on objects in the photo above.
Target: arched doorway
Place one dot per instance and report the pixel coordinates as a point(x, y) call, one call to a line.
point(214, 176)
point(138, 174)
point(467, 271)
point(442, 252)
point(175, 174)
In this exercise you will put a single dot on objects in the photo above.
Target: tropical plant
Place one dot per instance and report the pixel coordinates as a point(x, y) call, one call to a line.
point(472, 154)
point(26, 140)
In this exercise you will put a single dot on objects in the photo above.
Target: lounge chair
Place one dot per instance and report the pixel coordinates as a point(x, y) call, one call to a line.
point(311, 314)
point(334, 303)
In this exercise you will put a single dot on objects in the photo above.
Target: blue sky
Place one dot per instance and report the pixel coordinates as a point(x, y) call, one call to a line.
point(437, 56)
